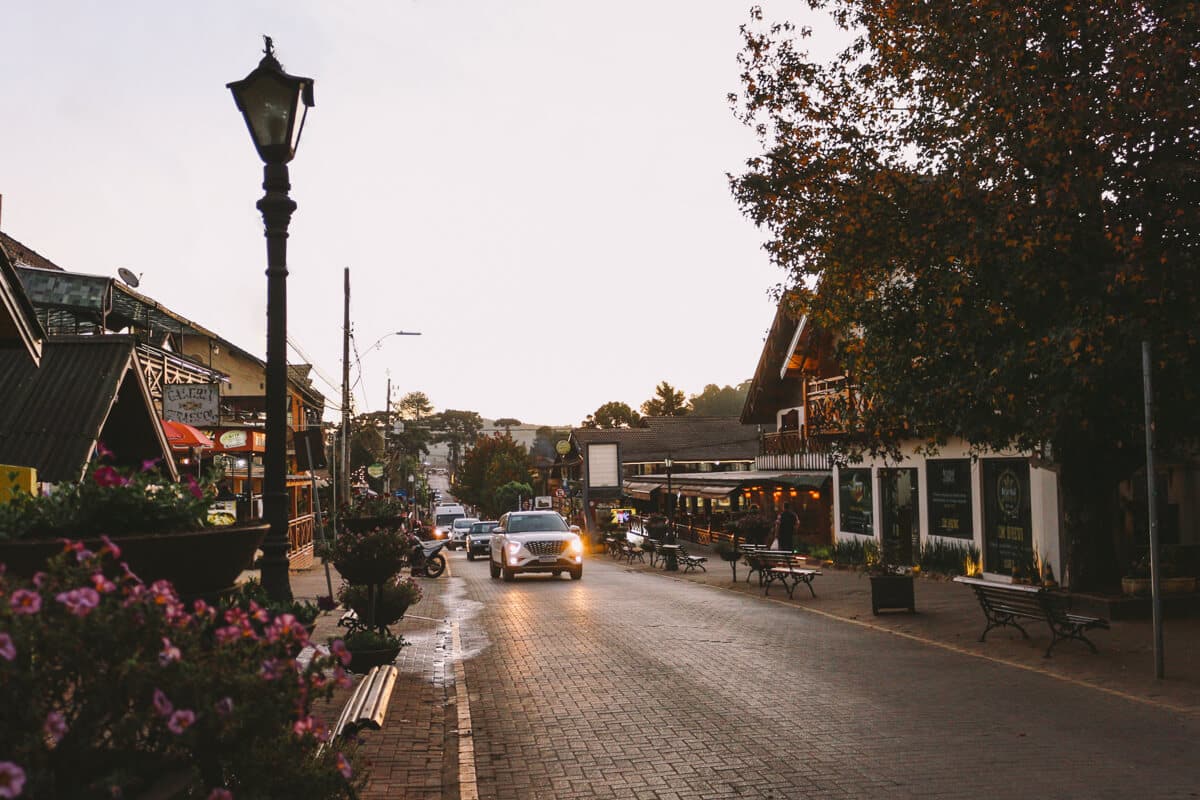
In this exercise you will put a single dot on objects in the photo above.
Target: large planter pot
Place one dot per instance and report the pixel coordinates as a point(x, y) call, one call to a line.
point(362, 573)
point(1185, 585)
point(1135, 587)
point(892, 592)
point(362, 661)
point(364, 524)
point(198, 563)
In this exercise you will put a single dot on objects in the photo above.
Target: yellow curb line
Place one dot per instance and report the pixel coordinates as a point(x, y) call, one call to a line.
point(468, 789)
point(953, 648)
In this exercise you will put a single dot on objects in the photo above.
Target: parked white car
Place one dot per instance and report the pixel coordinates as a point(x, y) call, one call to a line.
point(535, 541)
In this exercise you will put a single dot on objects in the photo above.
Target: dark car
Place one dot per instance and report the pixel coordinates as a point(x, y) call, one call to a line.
point(479, 539)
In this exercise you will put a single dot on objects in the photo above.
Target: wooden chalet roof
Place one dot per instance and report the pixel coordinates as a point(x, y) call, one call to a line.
point(19, 326)
point(87, 390)
point(795, 349)
point(686, 438)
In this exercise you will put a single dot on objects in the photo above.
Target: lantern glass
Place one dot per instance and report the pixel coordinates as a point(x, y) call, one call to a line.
point(275, 106)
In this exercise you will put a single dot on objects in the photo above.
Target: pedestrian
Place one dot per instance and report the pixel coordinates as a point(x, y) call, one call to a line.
point(785, 527)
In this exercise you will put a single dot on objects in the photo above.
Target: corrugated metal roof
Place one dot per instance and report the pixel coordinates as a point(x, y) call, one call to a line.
point(684, 438)
point(52, 416)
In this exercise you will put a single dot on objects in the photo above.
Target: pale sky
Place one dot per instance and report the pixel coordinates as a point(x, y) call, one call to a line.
point(539, 188)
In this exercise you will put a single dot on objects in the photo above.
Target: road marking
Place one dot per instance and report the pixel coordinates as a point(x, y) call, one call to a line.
point(953, 648)
point(468, 789)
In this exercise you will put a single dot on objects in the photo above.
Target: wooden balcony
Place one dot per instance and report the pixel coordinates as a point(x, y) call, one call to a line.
point(300, 541)
point(832, 407)
point(792, 450)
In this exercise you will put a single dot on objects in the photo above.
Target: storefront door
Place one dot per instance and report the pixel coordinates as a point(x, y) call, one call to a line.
point(901, 523)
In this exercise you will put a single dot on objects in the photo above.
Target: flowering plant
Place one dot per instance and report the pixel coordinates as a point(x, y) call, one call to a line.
point(373, 506)
point(253, 592)
point(376, 546)
point(392, 599)
point(110, 687)
point(365, 639)
point(111, 500)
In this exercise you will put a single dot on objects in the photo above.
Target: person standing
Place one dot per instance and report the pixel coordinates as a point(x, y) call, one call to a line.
point(787, 524)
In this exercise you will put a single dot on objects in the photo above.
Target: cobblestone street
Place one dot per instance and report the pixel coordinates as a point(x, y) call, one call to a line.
point(631, 685)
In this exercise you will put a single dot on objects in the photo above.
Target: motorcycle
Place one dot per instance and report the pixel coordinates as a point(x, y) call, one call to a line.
point(426, 557)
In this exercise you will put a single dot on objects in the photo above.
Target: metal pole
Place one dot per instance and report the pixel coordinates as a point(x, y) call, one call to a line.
point(387, 456)
point(312, 474)
point(1152, 499)
point(345, 448)
point(276, 207)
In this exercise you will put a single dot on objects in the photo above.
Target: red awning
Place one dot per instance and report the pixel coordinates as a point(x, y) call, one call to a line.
point(184, 437)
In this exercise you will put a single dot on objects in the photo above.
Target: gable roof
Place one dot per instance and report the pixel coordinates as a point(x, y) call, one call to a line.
point(686, 438)
point(25, 256)
point(87, 389)
point(19, 326)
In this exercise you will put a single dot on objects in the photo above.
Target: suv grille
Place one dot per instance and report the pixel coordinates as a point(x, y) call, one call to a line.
point(545, 548)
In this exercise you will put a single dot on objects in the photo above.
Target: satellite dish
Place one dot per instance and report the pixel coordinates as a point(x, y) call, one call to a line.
point(128, 277)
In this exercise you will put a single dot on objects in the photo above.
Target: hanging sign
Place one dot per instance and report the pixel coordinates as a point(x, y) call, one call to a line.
point(191, 403)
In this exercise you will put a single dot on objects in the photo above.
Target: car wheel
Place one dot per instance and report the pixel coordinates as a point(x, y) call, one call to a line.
point(577, 574)
point(557, 573)
point(509, 575)
point(494, 568)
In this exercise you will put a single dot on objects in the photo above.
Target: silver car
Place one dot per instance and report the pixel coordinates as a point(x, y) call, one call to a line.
point(479, 539)
point(535, 541)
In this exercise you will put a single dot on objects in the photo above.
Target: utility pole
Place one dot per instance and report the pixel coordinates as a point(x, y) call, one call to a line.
point(345, 473)
point(387, 455)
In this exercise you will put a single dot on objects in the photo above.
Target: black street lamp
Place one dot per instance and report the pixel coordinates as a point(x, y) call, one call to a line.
point(275, 105)
point(670, 494)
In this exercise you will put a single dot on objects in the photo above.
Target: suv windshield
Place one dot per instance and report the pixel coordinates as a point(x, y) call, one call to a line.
point(536, 522)
point(482, 527)
point(463, 524)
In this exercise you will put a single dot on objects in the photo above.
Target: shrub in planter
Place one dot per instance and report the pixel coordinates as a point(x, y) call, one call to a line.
point(371, 556)
point(114, 688)
point(306, 613)
point(372, 648)
point(392, 600)
point(755, 527)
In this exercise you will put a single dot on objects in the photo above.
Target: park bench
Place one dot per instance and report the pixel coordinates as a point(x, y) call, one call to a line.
point(1005, 603)
point(750, 555)
point(690, 562)
point(790, 569)
point(630, 551)
point(367, 705)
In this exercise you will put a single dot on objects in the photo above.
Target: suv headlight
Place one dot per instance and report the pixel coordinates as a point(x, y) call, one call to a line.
point(575, 546)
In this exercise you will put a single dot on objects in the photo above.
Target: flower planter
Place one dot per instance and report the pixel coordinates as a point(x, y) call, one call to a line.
point(1135, 587)
point(198, 563)
point(1178, 585)
point(364, 524)
point(367, 573)
point(362, 661)
point(892, 592)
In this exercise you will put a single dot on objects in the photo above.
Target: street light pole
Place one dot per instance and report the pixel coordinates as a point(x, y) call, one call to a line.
point(269, 99)
point(670, 494)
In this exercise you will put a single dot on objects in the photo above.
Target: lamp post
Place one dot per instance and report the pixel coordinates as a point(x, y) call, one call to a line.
point(275, 105)
point(670, 494)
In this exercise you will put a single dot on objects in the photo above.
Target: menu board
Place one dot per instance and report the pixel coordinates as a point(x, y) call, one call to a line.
point(1007, 518)
point(854, 501)
point(948, 483)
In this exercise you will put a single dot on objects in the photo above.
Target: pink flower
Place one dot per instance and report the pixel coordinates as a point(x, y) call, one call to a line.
point(272, 669)
point(12, 779)
point(163, 593)
point(24, 601)
point(343, 766)
point(338, 648)
point(162, 705)
point(169, 654)
point(225, 706)
point(194, 487)
point(235, 616)
point(341, 678)
point(203, 610)
point(107, 477)
point(230, 633)
point(102, 583)
point(220, 794)
point(180, 721)
point(8, 651)
point(110, 547)
point(79, 602)
point(150, 463)
point(259, 613)
point(55, 726)
point(39, 578)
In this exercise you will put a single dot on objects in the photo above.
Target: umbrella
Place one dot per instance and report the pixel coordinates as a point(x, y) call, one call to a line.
point(184, 437)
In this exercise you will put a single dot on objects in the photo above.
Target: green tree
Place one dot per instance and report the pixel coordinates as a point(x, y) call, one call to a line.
point(507, 423)
point(720, 401)
point(414, 406)
point(993, 204)
point(666, 402)
point(491, 462)
point(509, 496)
point(613, 414)
point(456, 429)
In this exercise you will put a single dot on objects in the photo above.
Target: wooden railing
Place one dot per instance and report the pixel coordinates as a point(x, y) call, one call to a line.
point(300, 542)
point(833, 408)
point(793, 450)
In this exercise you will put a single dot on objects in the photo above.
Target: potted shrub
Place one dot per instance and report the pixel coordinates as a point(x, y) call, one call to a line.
point(729, 551)
point(368, 557)
point(891, 582)
point(115, 688)
point(371, 648)
point(392, 600)
point(161, 527)
point(366, 513)
point(253, 593)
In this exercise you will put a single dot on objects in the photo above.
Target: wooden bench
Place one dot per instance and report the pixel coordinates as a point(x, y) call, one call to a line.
point(750, 553)
point(1005, 603)
point(367, 706)
point(790, 569)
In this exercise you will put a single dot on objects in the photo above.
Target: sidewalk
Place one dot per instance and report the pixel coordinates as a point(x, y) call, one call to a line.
point(949, 616)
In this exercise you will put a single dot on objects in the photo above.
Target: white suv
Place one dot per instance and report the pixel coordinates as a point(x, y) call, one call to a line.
point(458, 532)
point(535, 541)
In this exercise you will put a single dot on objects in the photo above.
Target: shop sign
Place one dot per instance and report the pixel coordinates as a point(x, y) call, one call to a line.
point(231, 440)
point(948, 482)
point(855, 502)
point(1008, 525)
point(375, 470)
point(191, 403)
